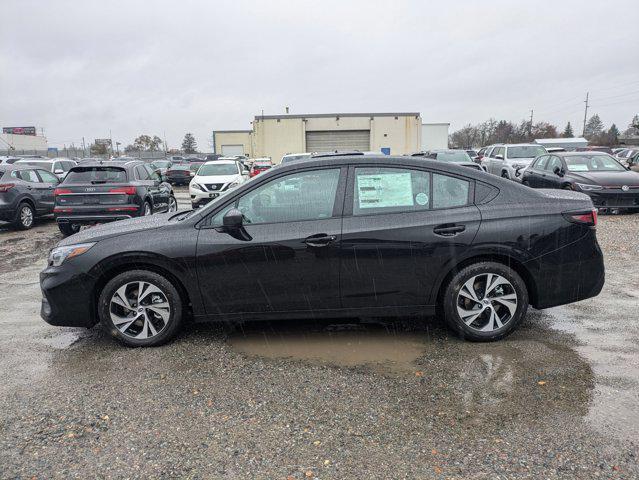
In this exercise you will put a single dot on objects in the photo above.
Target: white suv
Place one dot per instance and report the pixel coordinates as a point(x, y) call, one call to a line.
point(506, 159)
point(215, 178)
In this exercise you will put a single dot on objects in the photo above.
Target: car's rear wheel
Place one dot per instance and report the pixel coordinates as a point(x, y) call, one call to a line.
point(68, 228)
point(140, 308)
point(147, 209)
point(25, 216)
point(173, 206)
point(485, 301)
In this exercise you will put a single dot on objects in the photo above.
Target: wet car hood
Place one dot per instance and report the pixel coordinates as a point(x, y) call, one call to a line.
point(121, 227)
point(606, 178)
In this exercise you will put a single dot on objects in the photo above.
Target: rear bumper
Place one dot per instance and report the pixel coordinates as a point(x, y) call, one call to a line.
point(90, 219)
point(83, 215)
point(572, 273)
point(8, 214)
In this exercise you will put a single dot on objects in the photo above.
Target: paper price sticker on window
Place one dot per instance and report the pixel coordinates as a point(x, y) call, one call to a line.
point(385, 190)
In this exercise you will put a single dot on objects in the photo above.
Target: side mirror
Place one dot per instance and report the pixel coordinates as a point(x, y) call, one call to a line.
point(499, 157)
point(558, 171)
point(233, 219)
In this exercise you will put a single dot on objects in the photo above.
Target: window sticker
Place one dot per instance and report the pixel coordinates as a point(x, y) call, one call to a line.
point(421, 198)
point(578, 168)
point(385, 190)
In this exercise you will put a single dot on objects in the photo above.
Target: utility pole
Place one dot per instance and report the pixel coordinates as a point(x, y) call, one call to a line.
point(583, 133)
point(84, 148)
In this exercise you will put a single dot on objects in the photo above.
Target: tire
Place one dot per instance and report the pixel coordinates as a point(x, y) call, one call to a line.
point(567, 187)
point(126, 316)
point(147, 209)
point(525, 182)
point(68, 228)
point(25, 216)
point(505, 175)
point(173, 206)
point(491, 313)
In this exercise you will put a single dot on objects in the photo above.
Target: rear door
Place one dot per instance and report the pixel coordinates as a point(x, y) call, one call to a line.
point(158, 191)
point(496, 164)
point(286, 256)
point(401, 226)
point(36, 189)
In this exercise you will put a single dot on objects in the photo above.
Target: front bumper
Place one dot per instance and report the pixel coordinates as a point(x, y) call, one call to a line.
point(614, 199)
point(67, 299)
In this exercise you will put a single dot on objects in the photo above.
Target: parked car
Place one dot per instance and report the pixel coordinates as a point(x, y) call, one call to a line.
point(175, 158)
point(506, 160)
point(292, 157)
point(608, 183)
point(8, 160)
point(624, 154)
point(633, 162)
point(594, 148)
point(482, 153)
point(58, 166)
point(179, 174)
point(339, 236)
point(260, 165)
point(555, 149)
point(459, 157)
point(473, 154)
point(212, 156)
point(214, 179)
point(26, 192)
point(161, 166)
point(107, 191)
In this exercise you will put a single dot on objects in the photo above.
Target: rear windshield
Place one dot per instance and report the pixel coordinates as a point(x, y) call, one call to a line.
point(455, 157)
point(181, 166)
point(525, 151)
point(96, 175)
point(161, 164)
point(217, 169)
point(262, 165)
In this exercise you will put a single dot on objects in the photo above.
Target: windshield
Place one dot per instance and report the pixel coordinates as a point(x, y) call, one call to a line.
point(44, 165)
point(593, 163)
point(96, 175)
point(217, 169)
point(525, 151)
point(161, 164)
point(454, 157)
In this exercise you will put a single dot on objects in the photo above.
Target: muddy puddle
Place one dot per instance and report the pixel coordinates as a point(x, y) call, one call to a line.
point(342, 345)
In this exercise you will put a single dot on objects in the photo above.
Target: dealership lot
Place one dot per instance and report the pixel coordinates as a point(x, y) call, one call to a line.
point(326, 399)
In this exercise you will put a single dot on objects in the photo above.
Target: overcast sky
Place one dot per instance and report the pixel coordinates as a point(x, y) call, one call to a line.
point(80, 68)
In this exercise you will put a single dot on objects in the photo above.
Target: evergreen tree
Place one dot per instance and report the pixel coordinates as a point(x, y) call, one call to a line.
point(594, 127)
point(568, 133)
point(613, 135)
point(189, 145)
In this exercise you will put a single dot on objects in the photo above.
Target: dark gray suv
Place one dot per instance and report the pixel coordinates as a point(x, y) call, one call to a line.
point(26, 192)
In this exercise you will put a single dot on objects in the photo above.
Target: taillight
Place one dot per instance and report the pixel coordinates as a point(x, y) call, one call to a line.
point(124, 190)
point(4, 187)
point(584, 218)
point(61, 191)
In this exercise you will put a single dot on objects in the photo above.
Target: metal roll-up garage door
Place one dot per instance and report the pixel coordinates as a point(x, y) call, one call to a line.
point(338, 140)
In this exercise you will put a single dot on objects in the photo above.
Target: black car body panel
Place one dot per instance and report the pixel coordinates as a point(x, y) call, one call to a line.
point(373, 264)
point(120, 193)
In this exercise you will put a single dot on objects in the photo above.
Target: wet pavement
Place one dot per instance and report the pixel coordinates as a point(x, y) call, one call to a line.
point(327, 399)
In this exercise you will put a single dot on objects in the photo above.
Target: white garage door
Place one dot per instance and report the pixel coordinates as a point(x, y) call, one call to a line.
point(338, 140)
point(230, 150)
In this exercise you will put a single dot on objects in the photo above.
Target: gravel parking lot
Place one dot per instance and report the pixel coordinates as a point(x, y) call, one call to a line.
point(375, 399)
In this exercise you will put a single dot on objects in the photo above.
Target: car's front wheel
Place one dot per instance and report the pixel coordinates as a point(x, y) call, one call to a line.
point(173, 206)
point(485, 301)
point(140, 308)
point(146, 209)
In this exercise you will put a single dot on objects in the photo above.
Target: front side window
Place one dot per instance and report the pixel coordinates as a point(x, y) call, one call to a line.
point(308, 195)
point(540, 163)
point(553, 162)
point(141, 173)
point(153, 175)
point(389, 190)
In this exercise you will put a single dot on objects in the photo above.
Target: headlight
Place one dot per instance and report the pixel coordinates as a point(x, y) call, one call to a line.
point(232, 185)
point(586, 188)
point(58, 255)
point(197, 186)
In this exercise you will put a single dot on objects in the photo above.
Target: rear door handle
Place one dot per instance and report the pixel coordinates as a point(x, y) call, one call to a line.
point(449, 230)
point(319, 240)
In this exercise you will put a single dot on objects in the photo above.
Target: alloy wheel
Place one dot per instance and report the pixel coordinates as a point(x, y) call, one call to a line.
point(147, 209)
point(139, 310)
point(172, 204)
point(26, 216)
point(487, 302)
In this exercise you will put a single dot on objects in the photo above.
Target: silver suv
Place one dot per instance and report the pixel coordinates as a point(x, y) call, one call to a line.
point(506, 158)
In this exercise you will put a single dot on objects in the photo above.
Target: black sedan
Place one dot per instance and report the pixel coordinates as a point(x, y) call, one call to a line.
point(101, 192)
point(610, 185)
point(334, 237)
point(26, 192)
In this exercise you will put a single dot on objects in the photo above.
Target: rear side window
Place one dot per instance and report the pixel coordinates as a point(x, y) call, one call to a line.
point(449, 192)
point(96, 175)
point(141, 172)
point(28, 176)
point(388, 190)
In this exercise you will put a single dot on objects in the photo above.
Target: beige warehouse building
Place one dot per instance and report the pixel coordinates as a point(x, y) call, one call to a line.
point(276, 135)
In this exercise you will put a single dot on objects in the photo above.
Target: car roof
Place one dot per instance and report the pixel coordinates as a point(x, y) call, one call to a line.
point(6, 167)
point(109, 163)
point(580, 154)
point(221, 161)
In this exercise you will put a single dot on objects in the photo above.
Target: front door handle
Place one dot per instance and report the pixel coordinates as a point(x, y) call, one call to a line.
point(449, 230)
point(319, 240)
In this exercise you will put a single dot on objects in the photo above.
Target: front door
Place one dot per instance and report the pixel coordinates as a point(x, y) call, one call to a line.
point(49, 182)
point(286, 255)
point(551, 179)
point(402, 226)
